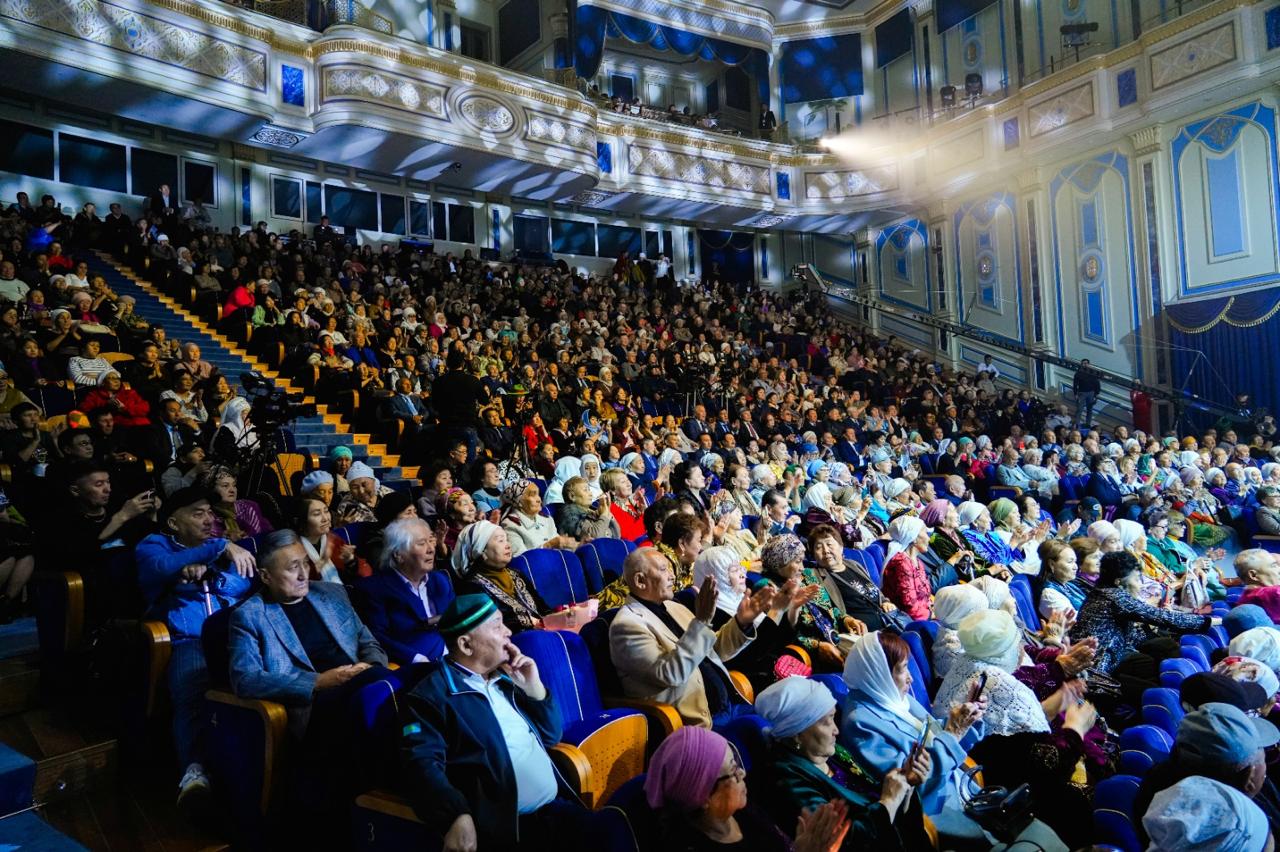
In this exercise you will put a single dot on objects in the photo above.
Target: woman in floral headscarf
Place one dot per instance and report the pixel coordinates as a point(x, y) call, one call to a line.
point(527, 528)
point(819, 623)
point(481, 561)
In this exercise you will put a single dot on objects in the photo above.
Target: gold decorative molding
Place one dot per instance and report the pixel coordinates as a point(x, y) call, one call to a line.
point(708, 141)
point(1194, 56)
point(850, 183)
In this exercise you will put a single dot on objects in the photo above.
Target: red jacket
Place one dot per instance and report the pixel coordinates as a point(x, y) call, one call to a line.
point(630, 526)
point(135, 412)
point(239, 298)
point(907, 585)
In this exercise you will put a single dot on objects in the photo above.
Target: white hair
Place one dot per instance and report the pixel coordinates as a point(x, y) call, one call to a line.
point(398, 538)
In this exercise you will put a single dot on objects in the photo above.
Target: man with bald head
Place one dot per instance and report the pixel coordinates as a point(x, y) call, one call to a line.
point(665, 653)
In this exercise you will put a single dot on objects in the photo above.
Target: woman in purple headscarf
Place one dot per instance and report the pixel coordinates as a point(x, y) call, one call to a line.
point(698, 786)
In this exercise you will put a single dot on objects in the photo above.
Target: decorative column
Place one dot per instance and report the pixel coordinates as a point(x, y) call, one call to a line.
point(448, 26)
point(775, 83)
point(1038, 309)
point(1155, 248)
point(942, 272)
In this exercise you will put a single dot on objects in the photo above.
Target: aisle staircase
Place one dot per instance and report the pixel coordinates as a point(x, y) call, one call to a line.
point(21, 826)
point(316, 435)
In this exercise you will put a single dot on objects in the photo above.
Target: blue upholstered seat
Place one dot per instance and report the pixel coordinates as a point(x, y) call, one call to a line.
point(602, 561)
point(833, 682)
point(921, 658)
point(1205, 642)
point(747, 735)
point(1113, 812)
point(567, 671)
point(870, 560)
point(1020, 587)
point(556, 575)
point(613, 741)
point(629, 802)
point(1173, 671)
point(1198, 655)
point(29, 831)
point(1142, 747)
point(1162, 708)
point(17, 780)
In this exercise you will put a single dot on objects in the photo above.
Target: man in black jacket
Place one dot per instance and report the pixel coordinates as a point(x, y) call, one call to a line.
point(1086, 387)
point(476, 732)
point(457, 397)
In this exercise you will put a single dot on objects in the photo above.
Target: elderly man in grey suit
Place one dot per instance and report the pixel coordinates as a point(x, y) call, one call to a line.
point(297, 642)
point(301, 644)
point(665, 653)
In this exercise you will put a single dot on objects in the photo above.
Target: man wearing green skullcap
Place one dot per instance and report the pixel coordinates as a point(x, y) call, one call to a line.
point(476, 732)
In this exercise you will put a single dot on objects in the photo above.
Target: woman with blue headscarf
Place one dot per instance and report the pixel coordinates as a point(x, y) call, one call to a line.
point(992, 553)
point(806, 767)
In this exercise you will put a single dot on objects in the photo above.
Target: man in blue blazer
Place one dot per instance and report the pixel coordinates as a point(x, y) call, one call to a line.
point(403, 601)
point(408, 406)
point(298, 643)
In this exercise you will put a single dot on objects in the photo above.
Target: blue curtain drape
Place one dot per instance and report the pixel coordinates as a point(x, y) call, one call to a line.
point(589, 45)
point(734, 254)
point(595, 24)
point(1239, 337)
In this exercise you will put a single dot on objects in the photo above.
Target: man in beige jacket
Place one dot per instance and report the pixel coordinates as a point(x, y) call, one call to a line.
point(665, 653)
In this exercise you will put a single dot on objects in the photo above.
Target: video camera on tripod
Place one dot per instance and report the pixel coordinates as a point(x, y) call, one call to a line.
point(271, 407)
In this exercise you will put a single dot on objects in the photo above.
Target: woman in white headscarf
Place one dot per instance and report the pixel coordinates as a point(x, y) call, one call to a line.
point(820, 508)
point(992, 553)
point(236, 434)
point(481, 561)
point(1158, 582)
point(632, 464)
point(898, 497)
point(1019, 743)
point(991, 642)
point(724, 565)
point(566, 468)
point(882, 723)
point(1106, 535)
point(905, 581)
point(589, 469)
point(951, 605)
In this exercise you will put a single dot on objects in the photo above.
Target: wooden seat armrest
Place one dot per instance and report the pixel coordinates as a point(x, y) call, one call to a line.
point(386, 802)
point(159, 648)
point(576, 769)
point(275, 721)
point(665, 715)
point(71, 584)
point(743, 685)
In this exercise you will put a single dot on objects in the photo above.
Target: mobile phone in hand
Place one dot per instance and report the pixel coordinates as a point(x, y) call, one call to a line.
point(975, 692)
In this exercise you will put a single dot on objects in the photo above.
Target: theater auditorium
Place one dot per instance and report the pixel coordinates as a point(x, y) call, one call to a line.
point(629, 425)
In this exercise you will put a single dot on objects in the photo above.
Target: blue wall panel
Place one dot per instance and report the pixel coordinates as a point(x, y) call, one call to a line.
point(815, 69)
point(1225, 213)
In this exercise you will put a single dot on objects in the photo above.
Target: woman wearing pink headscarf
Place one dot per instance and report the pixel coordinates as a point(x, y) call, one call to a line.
point(698, 786)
